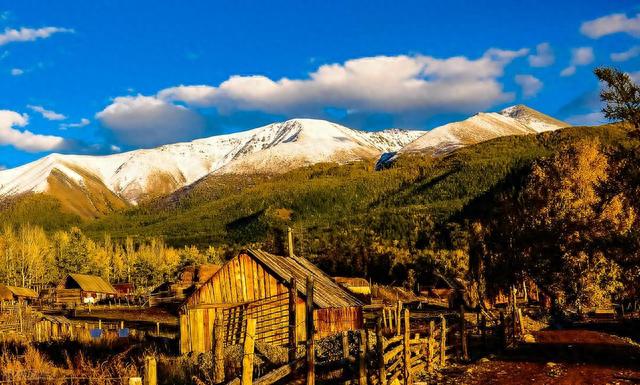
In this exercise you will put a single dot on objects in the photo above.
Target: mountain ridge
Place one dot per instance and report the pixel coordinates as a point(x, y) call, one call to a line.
point(100, 183)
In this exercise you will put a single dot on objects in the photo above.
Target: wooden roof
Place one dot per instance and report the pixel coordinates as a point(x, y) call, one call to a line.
point(352, 281)
point(327, 293)
point(13, 291)
point(92, 283)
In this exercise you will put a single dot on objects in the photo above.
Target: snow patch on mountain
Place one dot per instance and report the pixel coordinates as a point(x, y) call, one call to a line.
point(273, 148)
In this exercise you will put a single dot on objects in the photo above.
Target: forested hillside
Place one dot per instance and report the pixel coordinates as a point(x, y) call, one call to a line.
point(476, 211)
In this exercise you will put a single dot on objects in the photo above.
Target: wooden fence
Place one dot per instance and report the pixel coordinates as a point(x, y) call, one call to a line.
point(271, 315)
point(393, 351)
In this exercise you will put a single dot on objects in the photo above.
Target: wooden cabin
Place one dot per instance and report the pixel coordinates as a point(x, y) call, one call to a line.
point(17, 294)
point(189, 279)
point(256, 284)
point(83, 289)
point(355, 285)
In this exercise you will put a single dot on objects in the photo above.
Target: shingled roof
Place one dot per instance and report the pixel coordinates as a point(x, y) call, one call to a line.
point(6, 292)
point(92, 283)
point(327, 293)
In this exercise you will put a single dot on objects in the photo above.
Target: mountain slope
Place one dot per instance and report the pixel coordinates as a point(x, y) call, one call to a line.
point(515, 120)
point(141, 174)
point(332, 204)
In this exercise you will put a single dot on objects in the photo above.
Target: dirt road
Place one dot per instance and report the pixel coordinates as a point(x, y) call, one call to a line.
point(560, 357)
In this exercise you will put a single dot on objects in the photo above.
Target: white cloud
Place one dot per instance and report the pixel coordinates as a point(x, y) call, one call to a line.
point(82, 123)
point(148, 121)
point(626, 55)
point(530, 85)
point(610, 24)
point(391, 84)
point(115, 148)
point(29, 34)
point(568, 71)
point(47, 114)
point(25, 140)
point(543, 57)
point(588, 119)
point(16, 71)
point(579, 57)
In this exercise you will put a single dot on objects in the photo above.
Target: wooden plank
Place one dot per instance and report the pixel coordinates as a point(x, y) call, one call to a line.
point(362, 358)
point(408, 375)
point(443, 342)
point(311, 351)
point(218, 348)
point(380, 349)
point(248, 352)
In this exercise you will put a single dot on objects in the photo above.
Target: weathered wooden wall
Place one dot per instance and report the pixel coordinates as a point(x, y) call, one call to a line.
point(244, 288)
point(239, 281)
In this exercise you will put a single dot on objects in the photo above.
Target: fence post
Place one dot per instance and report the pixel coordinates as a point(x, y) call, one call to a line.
point(380, 348)
point(399, 317)
point(520, 320)
point(218, 348)
point(483, 330)
point(293, 320)
point(345, 349)
point(431, 346)
point(463, 334)
point(362, 358)
point(503, 330)
point(406, 342)
point(150, 371)
point(311, 349)
point(248, 350)
point(443, 342)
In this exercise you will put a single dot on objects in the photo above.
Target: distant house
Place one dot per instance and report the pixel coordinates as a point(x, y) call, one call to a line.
point(251, 283)
point(82, 288)
point(14, 293)
point(124, 289)
point(355, 285)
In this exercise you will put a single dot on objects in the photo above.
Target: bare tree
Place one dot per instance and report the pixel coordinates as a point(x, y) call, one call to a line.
point(621, 95)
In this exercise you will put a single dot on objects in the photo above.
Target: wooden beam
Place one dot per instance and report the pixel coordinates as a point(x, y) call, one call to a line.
point(406, 343)
point(311, 350)
point(293, 320)
point(463, 335)
point(248, 352)
point(443, 342)
point(380, 349)
point(362, 358)
point(218, 347)
point(150, 371)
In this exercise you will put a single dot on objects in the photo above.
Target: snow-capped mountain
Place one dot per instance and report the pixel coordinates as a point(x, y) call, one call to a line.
point(515, 120)
point(133, 175)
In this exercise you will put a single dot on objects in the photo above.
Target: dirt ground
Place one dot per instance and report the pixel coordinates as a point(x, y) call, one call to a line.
point(558, 357)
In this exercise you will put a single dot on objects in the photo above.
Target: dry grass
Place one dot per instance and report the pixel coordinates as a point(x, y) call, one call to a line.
point(25, 364)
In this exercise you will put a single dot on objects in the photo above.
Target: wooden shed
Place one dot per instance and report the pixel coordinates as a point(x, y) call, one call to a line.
point(14, 293)
point(355, 285)
point(82, 288)
point(256, 284)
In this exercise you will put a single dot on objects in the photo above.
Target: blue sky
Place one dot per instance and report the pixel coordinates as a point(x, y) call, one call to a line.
point(108, 76)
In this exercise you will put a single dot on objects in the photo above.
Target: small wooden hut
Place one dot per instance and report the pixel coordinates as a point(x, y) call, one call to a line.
point(355, 285)
point(82, 288)
point(17, 294)
point(257, 284)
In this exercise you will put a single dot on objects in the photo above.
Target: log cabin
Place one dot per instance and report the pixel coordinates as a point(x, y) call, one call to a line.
point(82, 288)
point(257, 284)
point(17, 294)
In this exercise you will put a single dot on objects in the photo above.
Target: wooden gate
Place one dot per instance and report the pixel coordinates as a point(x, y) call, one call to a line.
point(403, 355)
